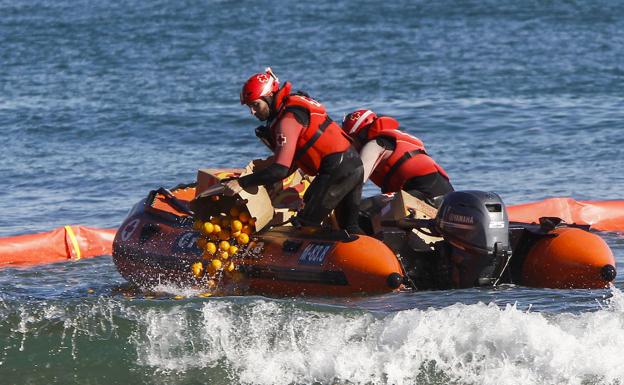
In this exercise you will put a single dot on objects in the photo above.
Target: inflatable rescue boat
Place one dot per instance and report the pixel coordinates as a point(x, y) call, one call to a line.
point(194, 236)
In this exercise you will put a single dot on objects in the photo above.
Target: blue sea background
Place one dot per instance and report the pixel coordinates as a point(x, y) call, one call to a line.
point(101, 102)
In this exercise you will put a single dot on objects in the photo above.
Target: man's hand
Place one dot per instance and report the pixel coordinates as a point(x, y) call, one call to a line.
point(232, 187)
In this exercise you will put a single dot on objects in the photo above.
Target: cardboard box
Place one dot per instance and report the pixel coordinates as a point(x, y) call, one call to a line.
point(209, 200)
point(209, 177)
point(288, 194)
point(273, 206)
point(282, 215)
point(402, 202)
point(399, 207)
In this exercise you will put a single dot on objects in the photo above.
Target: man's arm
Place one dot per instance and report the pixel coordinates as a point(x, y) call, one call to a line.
point(286, 136)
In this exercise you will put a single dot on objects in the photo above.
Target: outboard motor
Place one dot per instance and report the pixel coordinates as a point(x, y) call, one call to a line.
point(476, 228)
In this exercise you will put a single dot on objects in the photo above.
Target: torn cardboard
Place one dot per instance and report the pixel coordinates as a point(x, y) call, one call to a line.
point(273, 206)
point(399, 207)
point(402, 202)
point(209, 200)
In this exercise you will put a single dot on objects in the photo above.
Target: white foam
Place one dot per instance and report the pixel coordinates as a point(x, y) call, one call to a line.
point(172, 289)
point(271, 343)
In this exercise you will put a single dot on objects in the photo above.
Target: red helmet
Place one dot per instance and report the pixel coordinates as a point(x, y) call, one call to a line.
point(352, 123)
point(259, 85)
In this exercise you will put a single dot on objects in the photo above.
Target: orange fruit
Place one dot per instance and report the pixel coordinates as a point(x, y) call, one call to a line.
point(216, 264)
point(224, 245)
point(243, 239)
point(210, 248)
point(236, 225)
point(244, 217)
point(208, 228)
point(197, 269)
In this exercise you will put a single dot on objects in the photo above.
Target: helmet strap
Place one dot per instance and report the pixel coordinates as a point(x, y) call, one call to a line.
point(362, 135)
point(269, 99)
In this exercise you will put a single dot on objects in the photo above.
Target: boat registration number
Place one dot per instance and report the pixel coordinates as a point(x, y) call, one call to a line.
point(187, 242)
point(314, 253)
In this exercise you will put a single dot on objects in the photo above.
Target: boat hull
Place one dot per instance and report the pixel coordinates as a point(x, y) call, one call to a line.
point(157, 244)
point(149, 250)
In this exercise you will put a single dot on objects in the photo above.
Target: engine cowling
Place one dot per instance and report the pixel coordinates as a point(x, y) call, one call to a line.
point(476, 227)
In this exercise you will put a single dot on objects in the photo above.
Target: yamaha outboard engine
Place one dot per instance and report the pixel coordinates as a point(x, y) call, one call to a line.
point(476, 228)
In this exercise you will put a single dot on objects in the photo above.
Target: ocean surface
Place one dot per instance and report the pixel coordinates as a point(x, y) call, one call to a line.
point(102, 101)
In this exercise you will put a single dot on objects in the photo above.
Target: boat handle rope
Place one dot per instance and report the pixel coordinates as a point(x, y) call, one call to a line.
point(170, 198)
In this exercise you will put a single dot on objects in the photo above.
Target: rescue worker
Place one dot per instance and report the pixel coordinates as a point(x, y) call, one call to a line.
point(395, 160)
point(301, 135)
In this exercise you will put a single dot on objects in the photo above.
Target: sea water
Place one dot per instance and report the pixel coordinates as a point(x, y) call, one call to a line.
point(101, 102)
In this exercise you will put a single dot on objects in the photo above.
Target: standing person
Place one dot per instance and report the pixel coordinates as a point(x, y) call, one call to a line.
point(300, 133)
point(395, 160)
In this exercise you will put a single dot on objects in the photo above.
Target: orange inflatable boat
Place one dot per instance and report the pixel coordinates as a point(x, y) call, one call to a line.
point(193, 236)
point(159, 244)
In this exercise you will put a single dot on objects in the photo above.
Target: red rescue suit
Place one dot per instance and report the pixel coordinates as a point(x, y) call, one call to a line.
point(302, 135)
point(320, 138)
point(408, 160)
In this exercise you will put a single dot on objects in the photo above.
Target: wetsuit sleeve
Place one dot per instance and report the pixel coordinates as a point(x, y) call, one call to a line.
point(372, 154)
point(269, 175)
point(286, 136)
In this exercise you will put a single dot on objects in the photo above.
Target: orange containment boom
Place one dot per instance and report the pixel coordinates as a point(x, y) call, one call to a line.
point(599, 215)
point(62, 244)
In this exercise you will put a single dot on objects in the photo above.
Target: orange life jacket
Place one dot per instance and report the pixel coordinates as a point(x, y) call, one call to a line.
point(321, 137)
point(408, 160)
point(382, 123)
